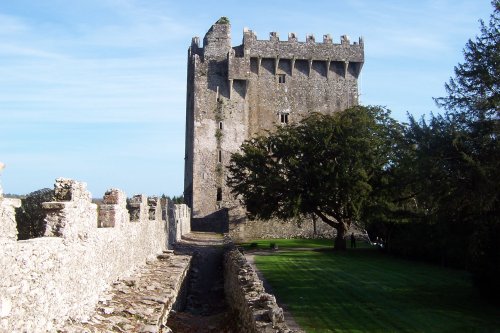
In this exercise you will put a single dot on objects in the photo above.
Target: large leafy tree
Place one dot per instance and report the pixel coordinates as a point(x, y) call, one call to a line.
point(325, 165)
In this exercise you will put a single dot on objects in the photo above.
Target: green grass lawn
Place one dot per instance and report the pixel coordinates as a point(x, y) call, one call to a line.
point(363, 290)
point(290, 243)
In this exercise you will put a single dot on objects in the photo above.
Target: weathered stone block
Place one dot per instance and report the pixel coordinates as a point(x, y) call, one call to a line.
point(155, 209)
point(72, 216)
point(114, 197)
point(70, 190)
point(138, 208)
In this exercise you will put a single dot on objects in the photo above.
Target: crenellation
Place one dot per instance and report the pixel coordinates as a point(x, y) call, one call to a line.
point(114, 196)
point(292, 37)
point(71, 215)
point(274, 36)
point(113, 213)
point(310, 39)
point(137, 206)
point(195, 42)
point(70, 190)
point(155, 209)
point(248, 36)
point(327, 39)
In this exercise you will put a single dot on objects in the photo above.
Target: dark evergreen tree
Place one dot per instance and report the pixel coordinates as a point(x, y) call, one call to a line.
point(30, 217)
point(326, 165)
point(456, 158)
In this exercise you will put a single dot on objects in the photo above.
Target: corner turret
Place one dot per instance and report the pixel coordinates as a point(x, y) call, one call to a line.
point(217, 41)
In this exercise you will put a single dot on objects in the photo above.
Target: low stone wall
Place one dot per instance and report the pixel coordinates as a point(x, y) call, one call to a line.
point(256, 311)
point(244, 229)
point(48, 280)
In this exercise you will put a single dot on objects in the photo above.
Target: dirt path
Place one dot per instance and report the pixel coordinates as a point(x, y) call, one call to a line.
point(206, 309)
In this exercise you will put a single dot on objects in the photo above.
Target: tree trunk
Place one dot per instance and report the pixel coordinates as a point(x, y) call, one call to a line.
point(340, 241)
point(314, 226)
point(341, 227)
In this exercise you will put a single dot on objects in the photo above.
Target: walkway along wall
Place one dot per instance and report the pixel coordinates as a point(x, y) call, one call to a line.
point(47, 280)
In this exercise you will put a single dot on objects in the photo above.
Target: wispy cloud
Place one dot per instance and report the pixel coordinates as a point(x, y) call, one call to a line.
point(24, 51)
point(12, 25)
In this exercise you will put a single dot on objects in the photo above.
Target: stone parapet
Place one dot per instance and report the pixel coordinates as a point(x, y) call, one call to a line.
point(49, 280)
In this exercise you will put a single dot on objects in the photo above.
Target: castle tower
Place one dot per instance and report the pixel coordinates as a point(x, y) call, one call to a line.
point(234, 93)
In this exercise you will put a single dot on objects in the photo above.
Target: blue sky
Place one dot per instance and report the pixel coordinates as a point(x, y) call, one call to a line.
point(95, 90)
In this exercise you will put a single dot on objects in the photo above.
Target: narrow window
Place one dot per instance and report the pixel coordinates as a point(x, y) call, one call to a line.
point(284, 118)
point(220, 125)
point(220, 156)
point(219, 194)
point(281, 78)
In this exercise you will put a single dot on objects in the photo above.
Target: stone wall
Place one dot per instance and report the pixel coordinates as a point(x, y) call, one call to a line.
point(256, 229)
point(182, 221)
point(242, 229)
point(255, 310)
point(48, 280)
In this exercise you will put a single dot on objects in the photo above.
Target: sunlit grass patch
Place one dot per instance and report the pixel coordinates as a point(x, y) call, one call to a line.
point(363, 290)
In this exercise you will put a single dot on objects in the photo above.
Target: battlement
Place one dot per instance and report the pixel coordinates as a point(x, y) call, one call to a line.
point(249, 35)
point(216, 46)
point(218, 39)
point(85, 247)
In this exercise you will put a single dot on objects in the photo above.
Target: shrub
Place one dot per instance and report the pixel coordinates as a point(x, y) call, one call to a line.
point(30, 216)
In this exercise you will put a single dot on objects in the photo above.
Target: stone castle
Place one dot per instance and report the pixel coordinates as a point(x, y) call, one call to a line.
point(234, 93)
point(110, 266)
